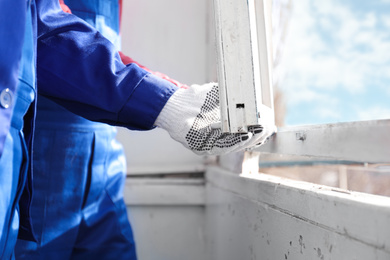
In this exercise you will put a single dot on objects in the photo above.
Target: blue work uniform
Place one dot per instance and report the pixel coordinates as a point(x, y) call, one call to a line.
point(81, 70)
point(78, 211)
point(17, 93)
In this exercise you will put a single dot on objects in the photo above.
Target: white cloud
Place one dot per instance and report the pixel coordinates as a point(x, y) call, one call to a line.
point(351, 54)
point(370, 20)
point(328, 113)
point(375, 112)
point(304, 95)
point(386, 20)
point(311, 59)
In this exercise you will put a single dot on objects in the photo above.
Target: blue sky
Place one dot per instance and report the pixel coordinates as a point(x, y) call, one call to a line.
point(336, 62)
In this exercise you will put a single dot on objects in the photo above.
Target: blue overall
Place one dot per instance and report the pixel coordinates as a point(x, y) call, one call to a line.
point(79, 170)
point(76, 67)
point(14, 158)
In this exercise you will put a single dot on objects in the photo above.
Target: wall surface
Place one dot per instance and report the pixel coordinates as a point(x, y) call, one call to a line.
point(235, 217)
point(267, 217)
point(173, 37)
point(168, 218)
point(232, 217)
point(176, 38)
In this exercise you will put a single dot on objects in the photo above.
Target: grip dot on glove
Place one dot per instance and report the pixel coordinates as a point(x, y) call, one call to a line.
point(192, 117)
point(202, 137)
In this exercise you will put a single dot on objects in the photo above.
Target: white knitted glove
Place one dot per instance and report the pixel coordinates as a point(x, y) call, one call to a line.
point(192, 117)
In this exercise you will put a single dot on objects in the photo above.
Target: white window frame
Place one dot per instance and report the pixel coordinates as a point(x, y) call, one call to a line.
point(244, 61)
point(244, 58)
point(363, 141)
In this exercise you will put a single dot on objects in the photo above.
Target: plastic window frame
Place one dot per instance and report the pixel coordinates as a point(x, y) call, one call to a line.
point(244, 65)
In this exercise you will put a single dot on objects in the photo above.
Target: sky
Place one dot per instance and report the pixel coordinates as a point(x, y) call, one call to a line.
point(336, 61)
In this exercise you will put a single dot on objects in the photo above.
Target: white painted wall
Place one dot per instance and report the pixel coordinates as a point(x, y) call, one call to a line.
point(168, 218)
point(176, 38)
point(267, 217)
point(173, 37)
point(234, 218)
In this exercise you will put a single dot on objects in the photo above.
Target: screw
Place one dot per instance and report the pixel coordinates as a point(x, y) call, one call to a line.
point(300, 136)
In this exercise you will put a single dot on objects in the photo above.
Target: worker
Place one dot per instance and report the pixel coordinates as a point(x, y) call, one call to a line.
point(79, 172)
point(80, 188)
point(81, 70)
point(12, 149)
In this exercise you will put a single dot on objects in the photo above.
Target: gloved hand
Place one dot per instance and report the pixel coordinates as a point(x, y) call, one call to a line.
point(192, 117)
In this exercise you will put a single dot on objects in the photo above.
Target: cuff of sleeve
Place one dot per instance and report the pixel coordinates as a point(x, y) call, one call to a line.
point(183, 107)
point(171, 113)
point(146, 102)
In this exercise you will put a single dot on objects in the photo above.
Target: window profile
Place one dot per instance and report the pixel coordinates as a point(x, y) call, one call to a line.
point(244, 57)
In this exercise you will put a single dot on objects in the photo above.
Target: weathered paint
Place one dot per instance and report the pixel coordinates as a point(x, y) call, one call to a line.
point(271, 218)
point(255, 217)
point(365, 141)
point(244, 51)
